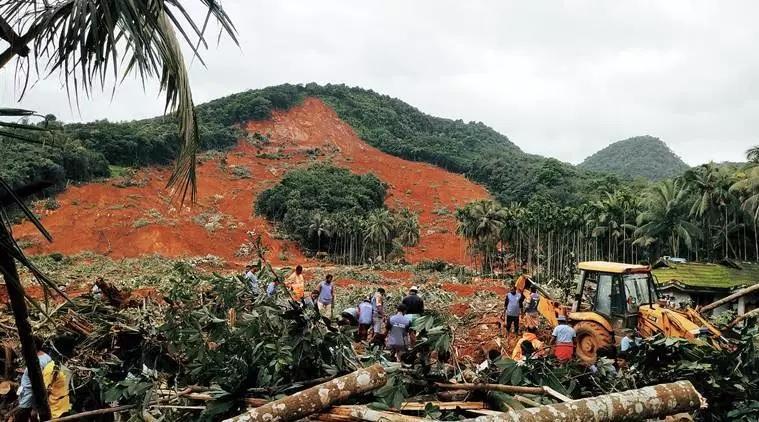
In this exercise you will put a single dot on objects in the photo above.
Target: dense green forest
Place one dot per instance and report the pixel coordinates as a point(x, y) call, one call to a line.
point(709, 213)
point(331, 210)
point(639, 157)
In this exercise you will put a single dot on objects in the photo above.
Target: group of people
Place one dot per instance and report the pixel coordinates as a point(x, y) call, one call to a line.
point(369, 316)
point(521, 304)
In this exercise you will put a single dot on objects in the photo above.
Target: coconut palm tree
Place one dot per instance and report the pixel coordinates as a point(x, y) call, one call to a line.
point(408, 227)
point(319, 226)
point(713, 197)
point(481, 223)
point(85, 41)
point(666, 218)
point(378, 229)
point(752, 154)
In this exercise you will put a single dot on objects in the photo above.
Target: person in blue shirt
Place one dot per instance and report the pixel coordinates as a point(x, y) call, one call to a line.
point(326, 298)
point(272, 288)
point(398, 333)
point(628, 344)
point(513, 310)
point(252, 279)
point(365, 312)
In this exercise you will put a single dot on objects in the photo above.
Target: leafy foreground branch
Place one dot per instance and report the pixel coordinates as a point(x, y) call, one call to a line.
point(206, 349)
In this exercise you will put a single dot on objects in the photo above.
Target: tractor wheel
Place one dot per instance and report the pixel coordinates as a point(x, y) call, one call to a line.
point(591, 337)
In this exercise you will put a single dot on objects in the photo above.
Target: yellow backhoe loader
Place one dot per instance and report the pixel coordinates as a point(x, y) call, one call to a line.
point(612, 297)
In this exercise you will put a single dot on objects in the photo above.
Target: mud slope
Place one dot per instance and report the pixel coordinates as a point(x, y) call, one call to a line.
point(137, 220)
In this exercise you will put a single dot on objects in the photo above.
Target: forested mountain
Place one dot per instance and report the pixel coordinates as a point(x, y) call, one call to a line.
point(389, 124)
point(642, 156)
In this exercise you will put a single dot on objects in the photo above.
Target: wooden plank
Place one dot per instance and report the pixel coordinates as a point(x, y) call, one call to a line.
point(486, 412)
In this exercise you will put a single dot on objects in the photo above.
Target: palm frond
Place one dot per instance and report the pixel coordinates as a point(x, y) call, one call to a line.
point(89, 40)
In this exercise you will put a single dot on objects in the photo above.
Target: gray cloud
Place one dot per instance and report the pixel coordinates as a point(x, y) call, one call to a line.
point(560, 78)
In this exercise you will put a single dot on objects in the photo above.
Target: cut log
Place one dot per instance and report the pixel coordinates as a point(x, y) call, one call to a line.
point(314, 399)
point(730, 298)
point(511, 389)
point(419, 406)
point(749, 314)
point(453, 395)
point(364, 413)
point(643, 403)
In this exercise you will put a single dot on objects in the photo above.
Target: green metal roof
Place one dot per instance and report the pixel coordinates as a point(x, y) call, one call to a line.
point(708, 275)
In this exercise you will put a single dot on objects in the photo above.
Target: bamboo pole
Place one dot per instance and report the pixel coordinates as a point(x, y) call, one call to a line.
point(641, 404)
point(317, 398)
point(730, 298)
point(511, 389)
point(98, 412)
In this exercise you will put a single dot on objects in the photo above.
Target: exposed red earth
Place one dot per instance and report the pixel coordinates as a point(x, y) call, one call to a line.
point(133, 221)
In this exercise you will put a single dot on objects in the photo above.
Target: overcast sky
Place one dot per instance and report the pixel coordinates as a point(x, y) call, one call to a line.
point(560, 79)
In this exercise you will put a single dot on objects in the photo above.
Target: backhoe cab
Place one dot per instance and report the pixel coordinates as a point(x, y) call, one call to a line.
point(612, 297)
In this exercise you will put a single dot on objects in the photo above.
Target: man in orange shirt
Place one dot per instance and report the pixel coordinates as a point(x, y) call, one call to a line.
point(296, 283)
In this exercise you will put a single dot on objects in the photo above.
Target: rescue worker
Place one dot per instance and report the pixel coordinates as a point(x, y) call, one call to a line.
point(252, 280)
point(296, 283)
point(528, 342)
point(364, 318)
point(326, 291)
point(563, 340)
point(513, 309)
point(378, 310)
point(398, 327)
point(531, 317)
point(414, 303)
point(56, 381)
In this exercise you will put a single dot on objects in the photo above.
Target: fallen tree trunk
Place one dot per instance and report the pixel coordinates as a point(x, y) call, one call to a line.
point(511, 389)
point(319, 397)
point(643, 403)
point(730, 298)
point(747, 315)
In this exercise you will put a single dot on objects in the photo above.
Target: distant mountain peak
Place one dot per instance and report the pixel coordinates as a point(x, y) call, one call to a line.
point(645, 157)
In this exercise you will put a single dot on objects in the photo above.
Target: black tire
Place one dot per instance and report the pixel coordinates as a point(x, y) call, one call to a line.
point(591, 337)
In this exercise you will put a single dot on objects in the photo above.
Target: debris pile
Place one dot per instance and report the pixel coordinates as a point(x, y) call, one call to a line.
point(207, 348)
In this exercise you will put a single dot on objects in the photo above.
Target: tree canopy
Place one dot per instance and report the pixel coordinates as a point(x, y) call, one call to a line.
point(329, 209)
point(639, 157)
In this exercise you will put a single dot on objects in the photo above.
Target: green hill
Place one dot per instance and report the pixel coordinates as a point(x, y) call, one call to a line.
point(471, 148)
point(642, 156)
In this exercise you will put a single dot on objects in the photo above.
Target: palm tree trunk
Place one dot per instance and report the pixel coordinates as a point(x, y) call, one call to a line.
point(726, 240)
point(25, 334)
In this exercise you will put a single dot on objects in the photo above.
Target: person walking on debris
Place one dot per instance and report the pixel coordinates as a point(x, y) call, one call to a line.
point(528, 345)
point(252, 280)
point(414, 303)
point(563, 339)
point(296, 283)
point(531, 316)
point(365, 312)
point(56, 382)
point(398, 327)
point(513, 310)
point(326, 291)
point(378, 310)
